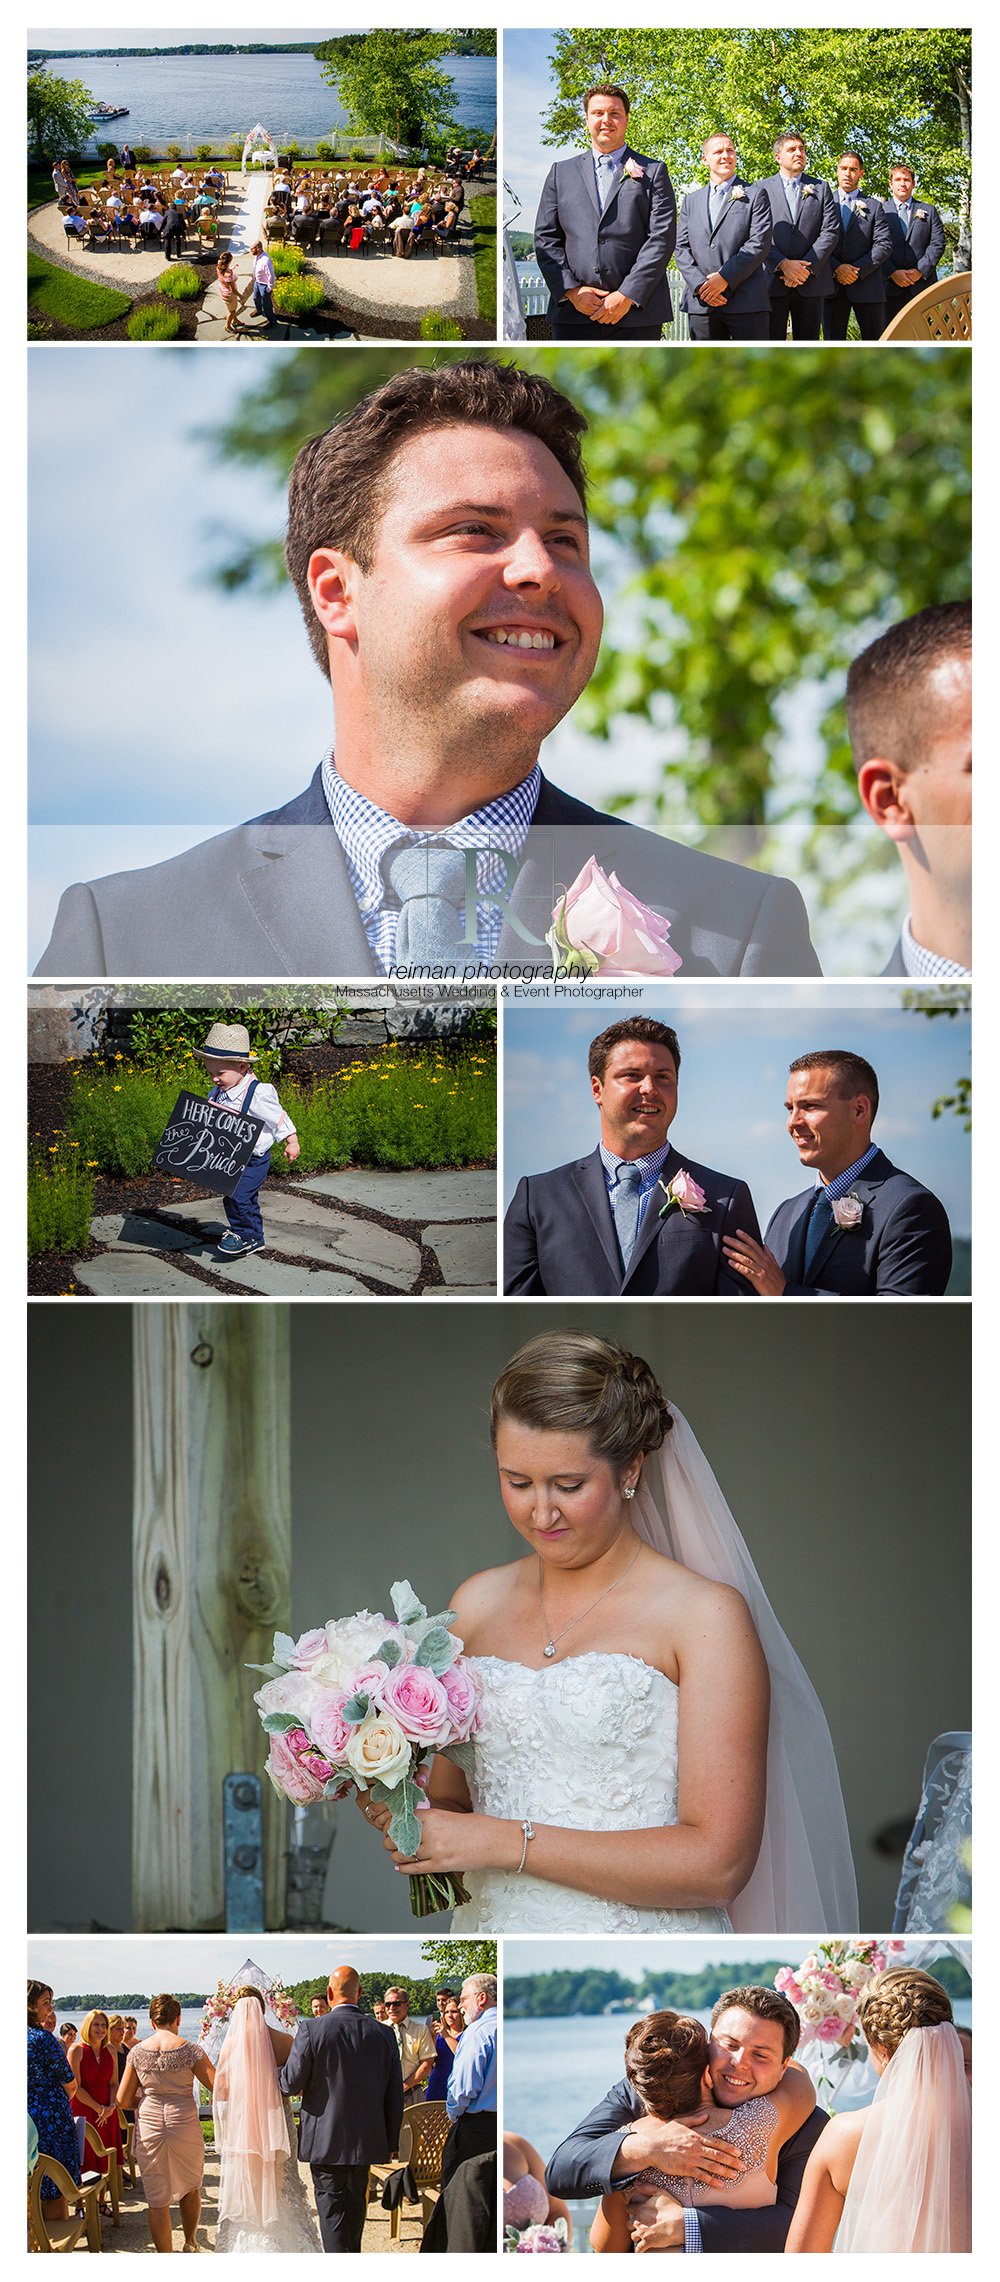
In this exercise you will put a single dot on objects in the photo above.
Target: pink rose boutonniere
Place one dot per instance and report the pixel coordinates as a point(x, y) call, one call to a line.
point(847, 1210)
point(684, 1192)
point(632, 168)
point(599, 928)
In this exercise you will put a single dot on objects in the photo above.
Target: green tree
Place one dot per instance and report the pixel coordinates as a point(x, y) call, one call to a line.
point(888, 94)
point(930, 1003)
point(757, 526)
point(453, 1961)
point(58, 114)
point(389, 82)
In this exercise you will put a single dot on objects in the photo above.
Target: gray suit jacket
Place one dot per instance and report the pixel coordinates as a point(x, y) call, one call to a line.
point(737, 247)
point(274, 898)
point(624, 249)
point(559, 1235)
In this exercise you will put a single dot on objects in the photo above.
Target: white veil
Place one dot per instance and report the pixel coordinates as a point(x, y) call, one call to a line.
point(804, 1880)
point(912, 2179)
point(250, 2125)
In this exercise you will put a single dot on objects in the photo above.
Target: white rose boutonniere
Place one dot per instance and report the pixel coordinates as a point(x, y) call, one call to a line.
point(634, 170)
point(737, 191)
point(807, 190)
point(859, 208)
point(921, 213)
point(847, 1210)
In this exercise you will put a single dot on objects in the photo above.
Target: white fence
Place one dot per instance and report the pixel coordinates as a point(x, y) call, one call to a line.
point(535, 299)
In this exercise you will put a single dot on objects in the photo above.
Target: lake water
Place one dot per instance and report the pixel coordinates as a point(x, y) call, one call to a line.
point(555, 2070)
point(191, 99)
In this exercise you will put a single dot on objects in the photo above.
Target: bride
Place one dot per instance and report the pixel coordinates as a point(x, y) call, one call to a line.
point(262, 2201)
point(650, 1755)
point(896, 2175)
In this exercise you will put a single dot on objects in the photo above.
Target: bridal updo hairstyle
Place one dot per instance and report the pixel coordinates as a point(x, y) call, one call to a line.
point(569, 1382)
point(899, 2000)
point(666, 2056)
point(249, 1991)
point(164, 2012)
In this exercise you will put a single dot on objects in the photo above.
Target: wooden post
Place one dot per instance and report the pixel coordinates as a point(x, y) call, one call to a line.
point(212, 1582)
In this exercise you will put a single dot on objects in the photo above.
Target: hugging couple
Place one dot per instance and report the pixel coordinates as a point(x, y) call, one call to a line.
point(714, 2141)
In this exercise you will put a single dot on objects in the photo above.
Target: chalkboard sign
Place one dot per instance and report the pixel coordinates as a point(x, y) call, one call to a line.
point(206, 1142)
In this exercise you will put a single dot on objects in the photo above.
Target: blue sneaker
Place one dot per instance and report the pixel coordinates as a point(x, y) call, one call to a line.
point(232, 1247)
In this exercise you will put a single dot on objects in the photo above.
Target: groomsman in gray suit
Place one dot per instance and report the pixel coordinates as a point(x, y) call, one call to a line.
point(636, 1216)
point(723, 235)
point(916, 242)
point(605, 231)
point(858, 257)
point(909, 718)
point(863, 1227)
point(805, 230)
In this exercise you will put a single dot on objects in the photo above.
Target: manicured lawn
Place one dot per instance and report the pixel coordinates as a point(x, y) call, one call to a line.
point(75, 302)
point(483, 212)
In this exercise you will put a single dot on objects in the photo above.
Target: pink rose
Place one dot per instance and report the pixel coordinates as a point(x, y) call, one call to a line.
point(330, 1728)
point(686, 1193)
point(786, 1981)
point(830, 2029)
point(830, 1980)
point(541, 2238)
point(418, 1704)
point(600, 928)
point(847, 1211)
point(370, 1681)
point(308, 1649)
point(462, 1691)
point(289, 1776)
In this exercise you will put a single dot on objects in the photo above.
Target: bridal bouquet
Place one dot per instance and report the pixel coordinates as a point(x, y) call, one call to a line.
point(364, 1703)
point(538, 2237)
point(825, 1989)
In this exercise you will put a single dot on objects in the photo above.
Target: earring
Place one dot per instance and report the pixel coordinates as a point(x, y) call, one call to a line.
point(629, 1490)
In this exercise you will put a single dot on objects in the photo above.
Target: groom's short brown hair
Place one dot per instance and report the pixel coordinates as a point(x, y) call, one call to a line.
point(768, 2005)
point(637, 1029)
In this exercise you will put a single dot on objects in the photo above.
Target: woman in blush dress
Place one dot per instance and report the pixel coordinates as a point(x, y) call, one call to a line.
point(159, 2083)
point(896, 2176)
point(526, 2198)
point(649, 1755)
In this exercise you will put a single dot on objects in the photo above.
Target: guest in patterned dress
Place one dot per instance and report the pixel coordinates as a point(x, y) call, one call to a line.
point(169, 2149)
point(50, 2082)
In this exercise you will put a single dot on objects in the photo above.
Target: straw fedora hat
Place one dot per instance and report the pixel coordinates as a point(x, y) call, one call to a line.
point(227, 1042)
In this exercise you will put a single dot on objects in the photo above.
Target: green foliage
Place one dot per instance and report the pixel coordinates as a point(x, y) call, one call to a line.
point(289, 261)
point(389, 82)
point(483, 215)
point(234, 147)
point(180, 282)
point(452, 1962)
point(118, 1118)
point(76, 302)
point(889, 94)
point(203, 152)
point(142, 154)
point(152, 322)
point(933, 1005)
point(174, 150)
point(434, 327)
point(522, 245)
point(293, 151)
point(426, 1108)
point(158, 1034)
point(323, 150)
point(107, 150)
point(298, 296)
point(58, 114)
point(60, 1199)
point(547, 1996)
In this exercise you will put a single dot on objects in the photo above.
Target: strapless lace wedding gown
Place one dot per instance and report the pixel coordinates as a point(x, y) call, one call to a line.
point(586, 1744)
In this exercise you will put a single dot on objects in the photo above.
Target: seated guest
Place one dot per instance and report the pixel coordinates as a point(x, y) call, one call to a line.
point(73, 221)
point(445, 230)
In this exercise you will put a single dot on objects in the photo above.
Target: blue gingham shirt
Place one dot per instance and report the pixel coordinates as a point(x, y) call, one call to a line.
point(366, 834)
point(841, 1183)
point(650, 1167)
point(929, 966)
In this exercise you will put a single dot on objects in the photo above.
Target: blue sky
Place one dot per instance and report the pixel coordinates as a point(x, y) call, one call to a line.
point(736, 1045)
point(198, 1961)
point(528, 88)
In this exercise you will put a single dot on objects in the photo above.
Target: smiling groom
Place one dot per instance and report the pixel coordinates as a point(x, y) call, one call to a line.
point(635, 1217)
point(438, 544)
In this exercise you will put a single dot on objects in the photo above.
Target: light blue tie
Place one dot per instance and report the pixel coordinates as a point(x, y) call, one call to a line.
point(793, 193)
point(429, 880)
point(626, 1197)
point(717, 197)
point(820, 1224)
point(606, 177)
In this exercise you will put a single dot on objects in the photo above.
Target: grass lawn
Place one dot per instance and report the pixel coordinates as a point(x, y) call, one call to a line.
point(75, 302)
point(483, 212)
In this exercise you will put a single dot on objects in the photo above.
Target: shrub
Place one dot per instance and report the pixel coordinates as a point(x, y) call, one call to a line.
point(324, 150)
point(169, 1035)
point(429, 1108)
point(297, 296)
point(142, 154)
point(60, 1199)
point(117, 1118)
point(107, 150)
point(434, 327)
point(174, 151)
point(153, 322)
point(203, 152)
point(234, 147)
point(289, 261)
point(181, 283)
point(293, 151)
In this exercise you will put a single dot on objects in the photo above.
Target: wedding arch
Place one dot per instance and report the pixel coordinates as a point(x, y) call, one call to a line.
point(260, 147)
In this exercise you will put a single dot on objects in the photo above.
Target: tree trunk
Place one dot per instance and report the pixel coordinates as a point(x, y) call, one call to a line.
point(212, 1582)
point(963, 250)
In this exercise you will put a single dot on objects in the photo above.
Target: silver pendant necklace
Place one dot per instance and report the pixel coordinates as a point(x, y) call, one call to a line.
point(552, 1639)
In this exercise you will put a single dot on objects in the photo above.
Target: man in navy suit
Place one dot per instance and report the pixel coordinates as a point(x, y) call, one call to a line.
point(863, 1227)
point(605, 231)
point(805, 229)
point(754, 2034)
point(858, 257)
point(909, 719)
point(723, 236)
point(438, 543)
point(636, 1216)
point(347, 2069)
point(916, 242)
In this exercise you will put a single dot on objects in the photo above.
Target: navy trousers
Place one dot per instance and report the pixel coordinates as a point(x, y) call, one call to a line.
point(242, 1209)
point(341, 2191)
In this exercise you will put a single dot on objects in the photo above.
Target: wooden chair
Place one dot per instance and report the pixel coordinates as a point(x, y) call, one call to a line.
point(62, 2234)
point(942, 312)
point(112, 2175)
point(128, 2148)
point(421, 2145)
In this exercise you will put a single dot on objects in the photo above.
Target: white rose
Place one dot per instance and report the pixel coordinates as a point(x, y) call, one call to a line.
point(294, 1692)
point(351, 1642)
point(378, 1751)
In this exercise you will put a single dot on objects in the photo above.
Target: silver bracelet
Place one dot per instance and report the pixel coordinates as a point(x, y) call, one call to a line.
point(528, 1834)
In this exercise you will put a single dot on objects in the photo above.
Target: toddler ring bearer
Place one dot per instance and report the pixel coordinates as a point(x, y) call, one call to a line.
point(227, 1058)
